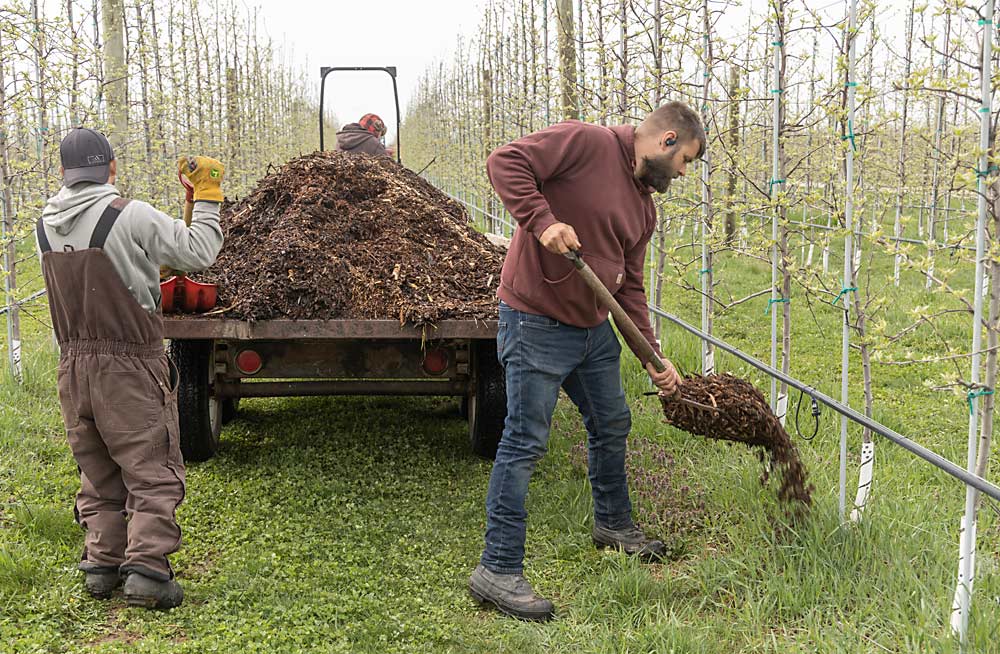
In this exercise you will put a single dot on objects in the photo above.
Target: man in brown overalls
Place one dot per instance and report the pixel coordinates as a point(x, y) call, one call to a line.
point(101, 255)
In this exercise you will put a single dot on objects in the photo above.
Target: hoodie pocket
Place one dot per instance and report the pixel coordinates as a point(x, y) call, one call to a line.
point(610, 272)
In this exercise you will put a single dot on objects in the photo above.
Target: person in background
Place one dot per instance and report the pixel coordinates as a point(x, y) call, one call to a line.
point(588, 189)
point(367, 135)
point(101, 256)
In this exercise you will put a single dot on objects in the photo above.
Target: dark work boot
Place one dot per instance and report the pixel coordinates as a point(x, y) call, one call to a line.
point(630, 540)
point(510, 593)
point(100, 584)
point(141, 590)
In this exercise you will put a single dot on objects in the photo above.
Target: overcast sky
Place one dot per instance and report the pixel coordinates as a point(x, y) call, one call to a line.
point(403, 33)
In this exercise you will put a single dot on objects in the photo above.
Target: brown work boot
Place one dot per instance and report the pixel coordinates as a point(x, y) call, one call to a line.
point(510, 593)
point(101, 583)
point(630, 540)
point(149, 593)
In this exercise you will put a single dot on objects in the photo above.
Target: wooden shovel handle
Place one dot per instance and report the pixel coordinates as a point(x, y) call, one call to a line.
point(625, 324)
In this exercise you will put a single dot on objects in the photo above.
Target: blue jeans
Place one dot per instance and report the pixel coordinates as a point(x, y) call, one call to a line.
point(539, 355)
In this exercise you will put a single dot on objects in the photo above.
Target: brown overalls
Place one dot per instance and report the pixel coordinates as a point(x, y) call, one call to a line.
point(117, 391)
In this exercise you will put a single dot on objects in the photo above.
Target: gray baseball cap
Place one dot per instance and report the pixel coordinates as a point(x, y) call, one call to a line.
point(86, 156)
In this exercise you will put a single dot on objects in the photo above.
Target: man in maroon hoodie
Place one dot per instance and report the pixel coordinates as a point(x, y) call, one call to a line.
point(587, 188)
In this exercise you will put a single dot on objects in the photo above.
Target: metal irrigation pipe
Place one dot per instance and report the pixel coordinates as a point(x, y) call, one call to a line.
point(36, 294)
point(847, 412)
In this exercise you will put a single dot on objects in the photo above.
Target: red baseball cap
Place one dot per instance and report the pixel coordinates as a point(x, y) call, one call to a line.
point(373, 124)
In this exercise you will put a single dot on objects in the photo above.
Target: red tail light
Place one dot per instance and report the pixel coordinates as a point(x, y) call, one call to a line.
point(435, 361)
point(249, 362)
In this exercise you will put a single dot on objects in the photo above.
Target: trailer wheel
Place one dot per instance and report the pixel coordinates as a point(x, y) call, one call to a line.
point(200, 412)
point(487, 404)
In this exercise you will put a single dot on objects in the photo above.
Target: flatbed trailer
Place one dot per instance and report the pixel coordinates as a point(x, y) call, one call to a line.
point(221, 360)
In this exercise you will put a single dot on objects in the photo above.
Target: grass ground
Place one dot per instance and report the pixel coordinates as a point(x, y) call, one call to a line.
point(351, 525)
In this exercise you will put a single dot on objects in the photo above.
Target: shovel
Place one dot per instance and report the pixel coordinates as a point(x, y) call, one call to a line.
point(625, 324)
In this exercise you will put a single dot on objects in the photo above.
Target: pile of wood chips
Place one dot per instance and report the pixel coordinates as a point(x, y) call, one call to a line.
point(331, 235)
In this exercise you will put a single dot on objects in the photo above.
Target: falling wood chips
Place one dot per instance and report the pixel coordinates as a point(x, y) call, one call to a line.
point(743, 416)
point(351, 236)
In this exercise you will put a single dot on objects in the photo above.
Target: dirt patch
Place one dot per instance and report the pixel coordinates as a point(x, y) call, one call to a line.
point(127, 637)
point(331, 235)
point(743, 416)
point(114, 628)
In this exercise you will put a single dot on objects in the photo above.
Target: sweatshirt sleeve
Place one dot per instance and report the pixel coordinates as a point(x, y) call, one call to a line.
point(518, 170)
point(169, 242)
point(632, 295)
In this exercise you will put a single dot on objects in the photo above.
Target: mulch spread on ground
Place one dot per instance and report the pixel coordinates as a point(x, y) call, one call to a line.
point(331, 235)
point(743, 416)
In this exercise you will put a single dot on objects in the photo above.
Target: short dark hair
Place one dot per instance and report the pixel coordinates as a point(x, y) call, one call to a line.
point(681, 118)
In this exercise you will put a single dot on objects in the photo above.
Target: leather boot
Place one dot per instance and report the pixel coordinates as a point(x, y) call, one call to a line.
point(630, 540)
point(510, 593)
point(143, 591)
point(100, 584)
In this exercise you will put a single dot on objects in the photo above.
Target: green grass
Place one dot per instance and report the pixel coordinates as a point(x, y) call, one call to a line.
point(351, 525)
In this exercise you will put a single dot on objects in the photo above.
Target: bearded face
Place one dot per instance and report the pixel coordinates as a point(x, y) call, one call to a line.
point(657, 172)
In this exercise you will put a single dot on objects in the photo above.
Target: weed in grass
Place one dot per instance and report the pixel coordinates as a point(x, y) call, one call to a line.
point(668, 503)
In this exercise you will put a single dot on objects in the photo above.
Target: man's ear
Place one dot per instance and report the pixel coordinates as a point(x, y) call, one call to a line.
point(669, 138)
point(112, 171)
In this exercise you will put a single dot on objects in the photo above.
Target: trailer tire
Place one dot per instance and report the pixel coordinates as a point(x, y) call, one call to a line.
point(199, 411)
point(487, 403)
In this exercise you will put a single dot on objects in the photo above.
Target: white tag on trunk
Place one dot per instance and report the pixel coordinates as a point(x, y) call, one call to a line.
point(16, 355)
point(960, 587)
point(864, 480)
point(782, 407)
point(709, 367)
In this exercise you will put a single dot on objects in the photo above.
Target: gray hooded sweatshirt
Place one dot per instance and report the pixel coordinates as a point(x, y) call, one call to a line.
point(142, 239)
point(355, 138)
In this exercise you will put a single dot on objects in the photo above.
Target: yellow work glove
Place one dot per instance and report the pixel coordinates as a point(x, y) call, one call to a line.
point(205, 175)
